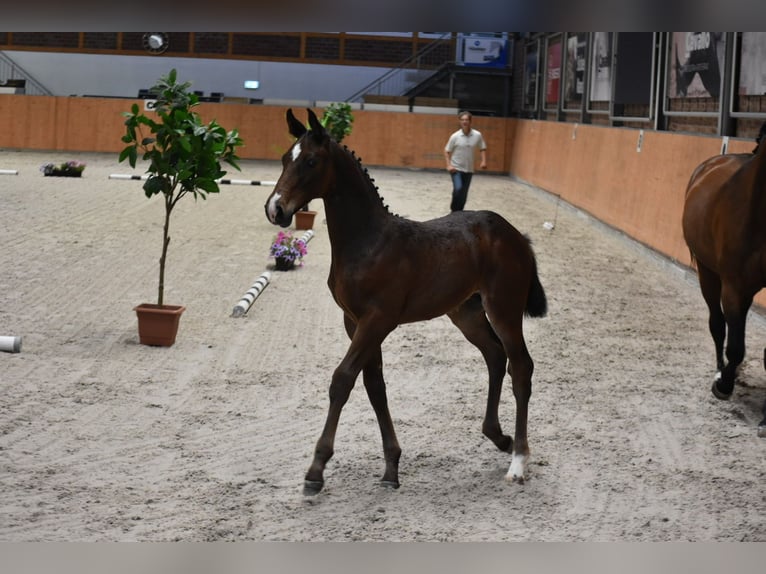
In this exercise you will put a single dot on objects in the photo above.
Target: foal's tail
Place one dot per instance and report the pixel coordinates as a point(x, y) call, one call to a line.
point(537, 302)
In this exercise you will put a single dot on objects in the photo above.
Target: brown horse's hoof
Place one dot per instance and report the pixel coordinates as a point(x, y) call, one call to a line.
point(312, 487)
point(389, 484)
point(762, 430)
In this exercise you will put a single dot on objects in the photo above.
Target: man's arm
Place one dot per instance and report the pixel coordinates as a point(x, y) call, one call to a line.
point(448, 156)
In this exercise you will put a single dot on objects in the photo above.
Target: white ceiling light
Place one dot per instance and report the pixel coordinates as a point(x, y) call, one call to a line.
point(156, 42)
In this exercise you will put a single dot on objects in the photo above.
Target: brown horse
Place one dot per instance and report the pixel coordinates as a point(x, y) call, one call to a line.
point(724, 225)
point(473, 266)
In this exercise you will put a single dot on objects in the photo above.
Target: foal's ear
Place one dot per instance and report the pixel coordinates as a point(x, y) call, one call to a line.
point(317, 129)
point(297, 129)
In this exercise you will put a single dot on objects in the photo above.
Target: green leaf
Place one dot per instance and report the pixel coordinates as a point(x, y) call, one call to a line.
point(208, 185)
point(154, 185)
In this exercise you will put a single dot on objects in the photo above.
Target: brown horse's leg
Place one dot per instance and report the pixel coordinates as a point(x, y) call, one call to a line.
point(365, 343)
point(472, 322)
point(735, 308)
point(376, 392)
point(762, 424)
point(710, 285)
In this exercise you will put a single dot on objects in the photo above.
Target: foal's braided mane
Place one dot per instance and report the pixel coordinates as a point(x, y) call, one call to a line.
point(369, 179)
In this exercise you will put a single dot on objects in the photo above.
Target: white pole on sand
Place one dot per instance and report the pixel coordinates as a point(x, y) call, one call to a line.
point(247, 300)
point(10, 344)
point(306, 237)
point(221, 181)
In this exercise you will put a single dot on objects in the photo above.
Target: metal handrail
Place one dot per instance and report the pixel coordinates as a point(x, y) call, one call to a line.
point(395, 74)
point(10, 70)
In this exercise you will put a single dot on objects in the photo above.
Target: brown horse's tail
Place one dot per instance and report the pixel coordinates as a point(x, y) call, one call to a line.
point(537, 302)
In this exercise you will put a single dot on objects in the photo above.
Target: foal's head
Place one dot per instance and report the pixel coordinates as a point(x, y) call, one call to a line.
point(306, 170)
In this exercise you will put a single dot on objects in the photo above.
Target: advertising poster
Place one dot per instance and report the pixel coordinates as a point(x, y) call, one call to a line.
point(696, 62)
point(574, 85)
point(486, 52)
point(601, 67)
point(530, 75)
point(553, 71)
point(752, 71)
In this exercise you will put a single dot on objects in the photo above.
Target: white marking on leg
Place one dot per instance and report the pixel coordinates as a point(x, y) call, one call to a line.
point(296, 151)
point(518, 469)
point(717, 377)
point(273, 207)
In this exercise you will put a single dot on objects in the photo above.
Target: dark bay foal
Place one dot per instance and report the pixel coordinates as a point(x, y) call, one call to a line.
point(473, 266)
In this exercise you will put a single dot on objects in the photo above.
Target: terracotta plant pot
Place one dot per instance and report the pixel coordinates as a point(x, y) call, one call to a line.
point(158, 324)
point(304, 219)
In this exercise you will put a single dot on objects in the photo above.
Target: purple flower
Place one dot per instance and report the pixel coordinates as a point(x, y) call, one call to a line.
point(285, 246)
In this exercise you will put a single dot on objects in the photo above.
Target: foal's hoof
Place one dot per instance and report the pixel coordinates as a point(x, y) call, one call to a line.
point(518, 469)
point(389, 484)
point(312, 487)
point(719, 393)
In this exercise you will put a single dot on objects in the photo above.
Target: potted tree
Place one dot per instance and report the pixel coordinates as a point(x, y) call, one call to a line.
point(184, 156)
point(337, 119)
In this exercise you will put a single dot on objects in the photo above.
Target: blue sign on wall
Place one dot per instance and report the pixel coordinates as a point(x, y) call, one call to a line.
point(485, 52)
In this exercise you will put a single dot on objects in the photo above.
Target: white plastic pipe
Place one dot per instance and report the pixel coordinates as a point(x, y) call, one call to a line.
point(245, 182)
point(222, 181)
point(9, 172)
point(10, 344)
point(247, 300)
point(127, 176)
point(306, 237)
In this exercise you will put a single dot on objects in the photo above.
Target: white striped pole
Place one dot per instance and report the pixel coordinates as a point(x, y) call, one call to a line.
point(127, 176)
point(245, 182)
point(10, 344)
point(306, 237)
point(247, 300)
point(221, 181)
point(9, 172)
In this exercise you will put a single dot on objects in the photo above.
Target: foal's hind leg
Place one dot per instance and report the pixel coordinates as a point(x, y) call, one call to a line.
point(473, 323)
point(506, 317)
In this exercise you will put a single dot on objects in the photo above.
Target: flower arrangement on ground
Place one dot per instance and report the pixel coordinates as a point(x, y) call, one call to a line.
point(287, 250)
point(72, 168)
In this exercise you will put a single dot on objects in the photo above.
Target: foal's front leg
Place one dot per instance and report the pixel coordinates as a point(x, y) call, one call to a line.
point(376, 392)
point(365, 344)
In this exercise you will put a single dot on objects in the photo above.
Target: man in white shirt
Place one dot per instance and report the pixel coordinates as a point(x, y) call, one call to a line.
point(459, 153)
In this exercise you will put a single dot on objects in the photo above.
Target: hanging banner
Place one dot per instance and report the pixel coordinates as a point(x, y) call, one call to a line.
point(601, 67)
point(530, 75)
point(553, 69)
point(696, 61)
point(752, 72)
point(486, 52)
point(574, 85)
